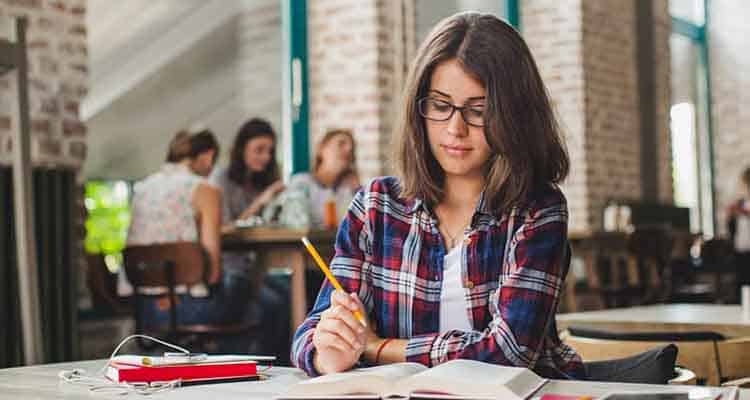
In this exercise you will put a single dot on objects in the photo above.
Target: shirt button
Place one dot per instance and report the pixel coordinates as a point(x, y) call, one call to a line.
point(437, 278)
point(469, 284)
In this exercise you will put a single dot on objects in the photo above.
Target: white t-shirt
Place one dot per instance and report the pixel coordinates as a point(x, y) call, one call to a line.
point(318, 195)
point(742, 236)
point(453, 307)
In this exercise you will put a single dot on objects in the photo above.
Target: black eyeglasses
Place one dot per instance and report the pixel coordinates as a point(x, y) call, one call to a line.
point(441, 110)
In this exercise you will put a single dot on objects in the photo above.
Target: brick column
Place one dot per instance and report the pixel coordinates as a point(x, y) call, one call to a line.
point(58, 75)
point(58, 81)
point(355, 71)
point(586, 52)
point(554, 34)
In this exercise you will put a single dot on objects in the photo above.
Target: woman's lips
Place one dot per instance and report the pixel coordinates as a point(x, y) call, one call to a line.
point(456, 150)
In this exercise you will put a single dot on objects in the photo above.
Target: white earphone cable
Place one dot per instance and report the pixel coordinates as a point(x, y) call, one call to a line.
point(100, 384)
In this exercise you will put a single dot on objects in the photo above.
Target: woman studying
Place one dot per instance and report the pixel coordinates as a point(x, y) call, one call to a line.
point(461, 254)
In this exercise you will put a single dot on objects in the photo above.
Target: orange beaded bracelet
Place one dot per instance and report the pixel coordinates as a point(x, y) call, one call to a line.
point(380, 349)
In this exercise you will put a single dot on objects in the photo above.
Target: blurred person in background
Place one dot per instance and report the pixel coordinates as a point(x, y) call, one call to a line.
point(333, 178)
point(738, 218)
point(328, 189)
point(252, 178)
point(177, 204)
point(248, 184)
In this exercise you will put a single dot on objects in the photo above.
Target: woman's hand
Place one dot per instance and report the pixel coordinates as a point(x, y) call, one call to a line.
point(271, 191)
point(340, 338)
point(262, 199)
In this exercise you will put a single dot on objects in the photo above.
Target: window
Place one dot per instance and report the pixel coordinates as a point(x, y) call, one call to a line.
point(108, 207)
point(692, 168)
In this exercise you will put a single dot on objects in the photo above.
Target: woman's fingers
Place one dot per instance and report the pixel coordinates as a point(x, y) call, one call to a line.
point(357, 302)
point(335, 333)
point(342, 323)
point(350, 301)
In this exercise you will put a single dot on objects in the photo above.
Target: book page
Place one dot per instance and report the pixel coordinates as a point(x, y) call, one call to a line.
point(374, 381)
point(463, 378)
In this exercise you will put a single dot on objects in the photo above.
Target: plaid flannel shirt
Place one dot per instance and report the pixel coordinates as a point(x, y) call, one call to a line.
point(389, 251)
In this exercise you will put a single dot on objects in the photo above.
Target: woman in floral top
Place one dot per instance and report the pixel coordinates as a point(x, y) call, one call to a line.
point(461, 255)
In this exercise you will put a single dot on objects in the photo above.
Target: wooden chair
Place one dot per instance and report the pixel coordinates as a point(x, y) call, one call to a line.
point(734, 361)
point(698, 351)
point(167, 266)
point(606, 271)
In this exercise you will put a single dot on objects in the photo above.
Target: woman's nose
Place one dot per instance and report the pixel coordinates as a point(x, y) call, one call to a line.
point(456, 124)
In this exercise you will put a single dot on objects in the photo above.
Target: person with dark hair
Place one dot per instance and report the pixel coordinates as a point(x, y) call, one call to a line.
point(463, 254)
point(249, 183)
point(252, 179)
point(738, 219)
point(204, 150)
point(201, 148)
point(333, 178)
point(177, 204)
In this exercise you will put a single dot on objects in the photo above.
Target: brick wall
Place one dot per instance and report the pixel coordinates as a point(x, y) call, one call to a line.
point(586, 52)
point(355, 73)
point(663, 89)
point(611, 104)
point(729, 41)
point(553, 33)
point(57, 81)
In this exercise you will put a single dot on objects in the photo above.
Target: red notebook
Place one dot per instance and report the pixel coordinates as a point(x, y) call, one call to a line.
point(128, 369)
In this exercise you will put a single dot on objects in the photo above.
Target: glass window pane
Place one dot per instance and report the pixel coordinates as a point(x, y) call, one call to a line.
point(690, 10)
point(688, 122)
point(430, 12)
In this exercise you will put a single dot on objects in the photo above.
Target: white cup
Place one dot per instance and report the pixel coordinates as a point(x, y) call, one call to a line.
point(745, 301)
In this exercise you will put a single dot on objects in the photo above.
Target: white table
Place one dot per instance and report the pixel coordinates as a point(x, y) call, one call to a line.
point(724, 319)
point(41, 382)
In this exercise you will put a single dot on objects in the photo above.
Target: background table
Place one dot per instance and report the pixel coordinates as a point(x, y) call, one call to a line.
point(283, 243)
point(720, 318)
point(41, 382)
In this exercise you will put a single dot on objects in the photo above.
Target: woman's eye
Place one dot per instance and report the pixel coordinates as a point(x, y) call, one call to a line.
point(440, 105)
point(476, 112)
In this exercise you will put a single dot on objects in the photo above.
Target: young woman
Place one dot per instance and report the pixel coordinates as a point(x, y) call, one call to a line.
point(249, 183)
point(333, 178)
point(176, 204)
point(738, 218)
point(462, 255)
point(252, 179)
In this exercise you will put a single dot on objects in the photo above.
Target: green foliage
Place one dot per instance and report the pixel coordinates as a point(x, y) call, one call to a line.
point(107, 203)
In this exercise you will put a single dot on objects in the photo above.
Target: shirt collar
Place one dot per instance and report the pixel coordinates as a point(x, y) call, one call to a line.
point(482, 207)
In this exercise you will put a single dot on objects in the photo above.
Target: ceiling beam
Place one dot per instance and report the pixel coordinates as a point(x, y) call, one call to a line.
point(157, 54)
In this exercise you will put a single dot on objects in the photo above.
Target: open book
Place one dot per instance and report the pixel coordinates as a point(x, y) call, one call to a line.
point(454, 379)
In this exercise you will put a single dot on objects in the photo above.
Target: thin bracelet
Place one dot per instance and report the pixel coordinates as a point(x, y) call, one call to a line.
point(380, 349)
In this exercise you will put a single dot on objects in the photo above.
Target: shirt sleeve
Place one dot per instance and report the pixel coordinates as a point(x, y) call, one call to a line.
point(347, 264)
point(522, 306)
point(220, 180)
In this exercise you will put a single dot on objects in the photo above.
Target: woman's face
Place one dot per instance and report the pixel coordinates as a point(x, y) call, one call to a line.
point(258, 153)
point(337, 153)
point(460, 148)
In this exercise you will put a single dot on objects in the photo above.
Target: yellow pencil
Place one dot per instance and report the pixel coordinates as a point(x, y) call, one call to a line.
point(328, 274)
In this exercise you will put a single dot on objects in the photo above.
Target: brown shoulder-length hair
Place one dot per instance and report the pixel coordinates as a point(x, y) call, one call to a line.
point(238, 171)
point(351, 168)
point(185, 145)
point(527, 150)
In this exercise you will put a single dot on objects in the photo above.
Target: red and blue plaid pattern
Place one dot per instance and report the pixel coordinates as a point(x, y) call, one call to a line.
point(390, 252)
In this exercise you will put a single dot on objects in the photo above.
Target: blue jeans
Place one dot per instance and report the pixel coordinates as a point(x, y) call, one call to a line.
point(232, 302)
